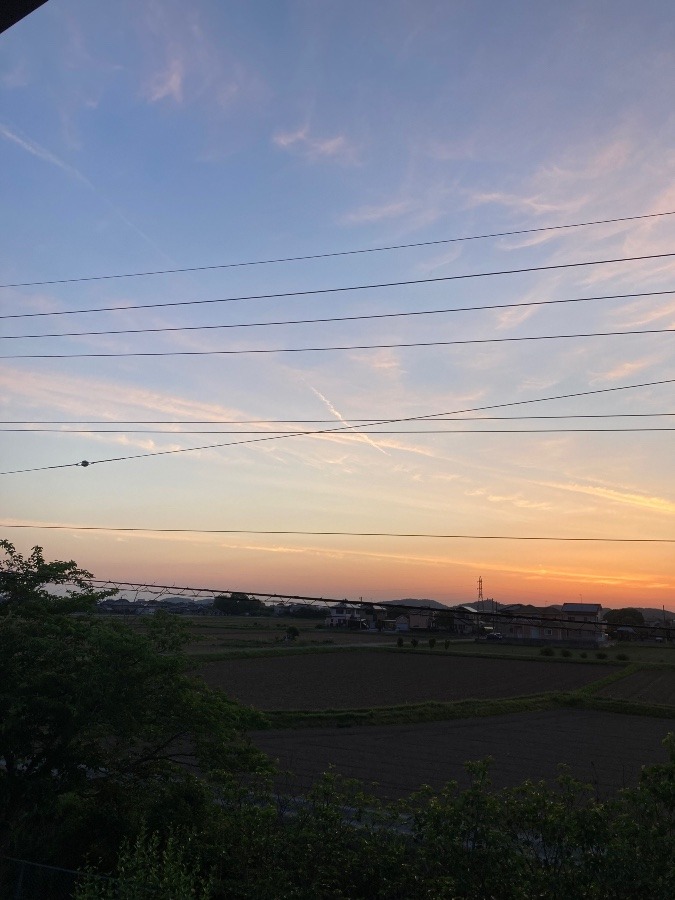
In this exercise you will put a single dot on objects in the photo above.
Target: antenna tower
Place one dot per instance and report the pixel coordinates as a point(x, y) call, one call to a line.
point(480, 589)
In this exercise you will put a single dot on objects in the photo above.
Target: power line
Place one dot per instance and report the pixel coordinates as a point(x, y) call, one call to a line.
point(287, 259)
point(401, 345)
point(356, 431)
point(286, 531)
point(86, 463)
point(508, 614)
point(311, 421)
point(322, 321)
point(335, 290)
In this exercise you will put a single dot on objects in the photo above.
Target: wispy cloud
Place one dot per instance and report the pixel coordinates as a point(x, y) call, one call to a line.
point(110, 400)
point(393, 209)
point(524, 203)
point(422, 200)
point(185, 66)
point(168, 82)
point(621, 496)
point(336, 148)
point(516, 500)
point(625, 369)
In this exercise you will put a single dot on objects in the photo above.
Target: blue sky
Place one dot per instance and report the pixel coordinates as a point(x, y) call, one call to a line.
point(158, 135)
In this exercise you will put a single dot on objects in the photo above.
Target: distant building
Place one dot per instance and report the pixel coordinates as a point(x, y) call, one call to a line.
point(343, 616)
point(571, 623)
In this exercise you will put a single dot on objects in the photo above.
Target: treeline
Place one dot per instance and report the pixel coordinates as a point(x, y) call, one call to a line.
point(238, 604)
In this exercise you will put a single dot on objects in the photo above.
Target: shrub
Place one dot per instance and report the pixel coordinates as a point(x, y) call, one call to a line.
point(583, 654)
point(565, 652)
point(414, 642)
point(432, 643)
point(623, 656)
point(446, 644)
point(547, 651)
point(601, 655)
point(399, 642)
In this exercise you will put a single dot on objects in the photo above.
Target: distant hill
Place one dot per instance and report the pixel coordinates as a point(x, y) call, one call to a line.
point(648, 612)
point(410, 601)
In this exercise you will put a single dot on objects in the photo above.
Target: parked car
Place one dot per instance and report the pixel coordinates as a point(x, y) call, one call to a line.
point(495, 636)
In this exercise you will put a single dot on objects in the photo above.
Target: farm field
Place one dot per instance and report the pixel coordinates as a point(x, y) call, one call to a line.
point(220, 634)
point(604, 749)
point(363, 679)
point(644, 686)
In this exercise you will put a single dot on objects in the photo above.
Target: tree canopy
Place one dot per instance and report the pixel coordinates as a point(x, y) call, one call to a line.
point(629, 616)
point(97, 724)
point(237, 604)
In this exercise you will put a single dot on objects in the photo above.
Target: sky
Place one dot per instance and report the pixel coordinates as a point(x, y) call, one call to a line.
point(153, 135)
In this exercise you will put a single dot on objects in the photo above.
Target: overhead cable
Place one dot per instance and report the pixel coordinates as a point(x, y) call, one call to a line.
point(287, 259)
point(352, 421)
point(393, 346)
point(357, 430)
point(507, 614)
point(391, 534)
point(323, 321)
point(336, 290)
point(340, 428)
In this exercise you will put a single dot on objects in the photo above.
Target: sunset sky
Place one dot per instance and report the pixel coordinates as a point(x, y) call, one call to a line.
point(149, 135)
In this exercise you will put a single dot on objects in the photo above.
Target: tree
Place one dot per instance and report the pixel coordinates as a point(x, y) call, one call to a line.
point(237, 604)
point(25, 584)
point(628, 617)
point(99, 730)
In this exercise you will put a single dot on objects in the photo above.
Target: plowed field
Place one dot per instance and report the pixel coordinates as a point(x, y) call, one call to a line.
point(356, 680)
point(604, 749)
point(646, 686)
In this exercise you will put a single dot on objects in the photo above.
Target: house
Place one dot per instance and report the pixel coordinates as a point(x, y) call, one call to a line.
point(525, 622)
point(343, 616)
point(571, 623)
point(461, 619)
point(584, 622)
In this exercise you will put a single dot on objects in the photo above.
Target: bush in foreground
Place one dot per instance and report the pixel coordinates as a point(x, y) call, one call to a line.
point(513, 844)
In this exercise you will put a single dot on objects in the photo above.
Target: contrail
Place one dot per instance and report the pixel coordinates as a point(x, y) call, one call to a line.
point(35, 149)
point(341, 418)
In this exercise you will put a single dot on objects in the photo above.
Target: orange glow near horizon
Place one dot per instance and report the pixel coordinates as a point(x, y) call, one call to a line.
point(336, 568)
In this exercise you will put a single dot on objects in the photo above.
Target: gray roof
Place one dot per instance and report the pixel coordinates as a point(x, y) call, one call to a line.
point(581, 607)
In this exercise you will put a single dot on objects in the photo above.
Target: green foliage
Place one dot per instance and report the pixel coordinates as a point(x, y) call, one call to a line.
point(547, 651)
point(627, 617)
point(601, 655)
point(168, 633)
point(150, 867)
point(97, 728)
point(565, 652)
point(432, 643)
point(26, 584)
point(399, 641)
point(237, 604)
point(623, 656)
point(414, 642)
point(531, 841)
point(292, 633)
point(446, 643)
